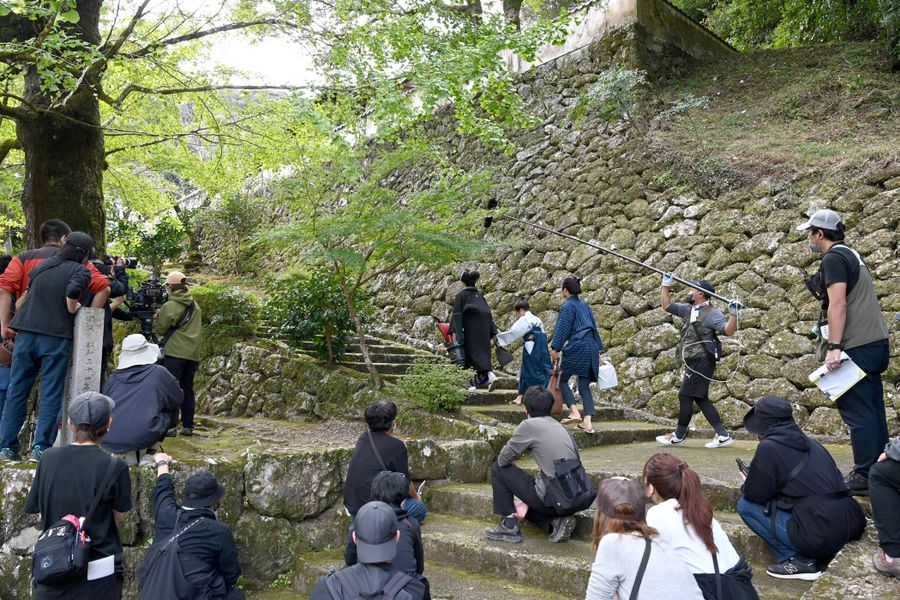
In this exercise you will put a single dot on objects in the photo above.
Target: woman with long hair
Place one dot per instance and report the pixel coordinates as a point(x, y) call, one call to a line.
point(629, 562)
point(578, 338)
point(686, 525)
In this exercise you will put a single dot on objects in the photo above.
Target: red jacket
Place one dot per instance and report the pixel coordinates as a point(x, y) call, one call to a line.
point(15, 279)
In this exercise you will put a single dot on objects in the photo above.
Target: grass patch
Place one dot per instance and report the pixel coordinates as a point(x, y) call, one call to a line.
point(786, 113)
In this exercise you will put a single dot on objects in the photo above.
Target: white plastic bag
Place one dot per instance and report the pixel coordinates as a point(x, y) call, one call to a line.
point(607, 378)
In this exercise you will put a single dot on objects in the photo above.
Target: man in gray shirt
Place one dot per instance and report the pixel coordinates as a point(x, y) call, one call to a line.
point(547, 440)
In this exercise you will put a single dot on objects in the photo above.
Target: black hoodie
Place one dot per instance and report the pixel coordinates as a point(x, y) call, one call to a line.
point(820, 528)
point(147, 400)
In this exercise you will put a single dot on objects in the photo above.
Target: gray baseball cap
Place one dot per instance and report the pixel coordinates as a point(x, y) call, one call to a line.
point(822, 219)
point(376, 529)
point(91, 408)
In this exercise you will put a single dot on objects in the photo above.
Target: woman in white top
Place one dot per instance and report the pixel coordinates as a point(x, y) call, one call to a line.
point(684, 519)
point(622, 539)
point(535, 354)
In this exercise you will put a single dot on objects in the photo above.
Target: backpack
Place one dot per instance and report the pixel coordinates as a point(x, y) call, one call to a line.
point(570, 489)
point(389, 591)
point(62, 551)
point(162, 574)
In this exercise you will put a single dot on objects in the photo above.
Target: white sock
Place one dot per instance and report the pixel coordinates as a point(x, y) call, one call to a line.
point(887, 559)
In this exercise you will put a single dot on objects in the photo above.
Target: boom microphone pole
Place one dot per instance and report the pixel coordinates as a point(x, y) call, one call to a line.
point(605, 251)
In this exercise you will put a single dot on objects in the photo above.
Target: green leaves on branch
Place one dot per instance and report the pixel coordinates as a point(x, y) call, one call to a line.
point(434, 386)
point(613, 96)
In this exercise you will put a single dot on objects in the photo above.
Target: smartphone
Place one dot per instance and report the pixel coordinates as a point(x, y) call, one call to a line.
point(421, 487)
point(744, 467)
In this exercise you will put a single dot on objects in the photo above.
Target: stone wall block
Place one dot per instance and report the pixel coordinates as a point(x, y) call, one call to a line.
point(653, 340)
point(826, 421)
point(295, 486)
point(468, 461)
point(427, 459)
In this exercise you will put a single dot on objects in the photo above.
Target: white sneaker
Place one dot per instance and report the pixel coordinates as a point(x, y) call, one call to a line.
point(472, 389)
point(669, 439)
point(492, 381)
point(719, 441)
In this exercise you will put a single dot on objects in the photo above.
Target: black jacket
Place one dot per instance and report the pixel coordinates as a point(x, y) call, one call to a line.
point(212, 541)
point(410, 557)
point(369, 577)
point(823, 517)
point(147, 400)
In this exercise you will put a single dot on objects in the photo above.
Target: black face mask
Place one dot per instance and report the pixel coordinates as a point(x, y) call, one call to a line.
point(690, 300)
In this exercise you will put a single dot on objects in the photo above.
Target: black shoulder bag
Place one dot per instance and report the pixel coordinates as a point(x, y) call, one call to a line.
point(570, 490)
point(773, 503)
point(712, 346)
point(62, 551)
point(635, 588)
point(185, 317)
point(161, 575)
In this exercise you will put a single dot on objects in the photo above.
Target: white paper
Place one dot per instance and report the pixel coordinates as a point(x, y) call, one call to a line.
point(102, 567)
point(836, 383)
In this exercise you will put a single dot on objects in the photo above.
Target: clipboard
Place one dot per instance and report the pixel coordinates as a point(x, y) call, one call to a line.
point(835, 384)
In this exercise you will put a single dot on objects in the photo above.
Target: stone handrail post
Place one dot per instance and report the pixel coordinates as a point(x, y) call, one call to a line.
point(84, 365)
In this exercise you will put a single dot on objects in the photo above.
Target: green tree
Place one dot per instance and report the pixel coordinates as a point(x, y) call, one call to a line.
point(348, 220)
point(312, 308)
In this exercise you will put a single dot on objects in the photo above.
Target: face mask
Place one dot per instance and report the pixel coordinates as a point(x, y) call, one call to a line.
point(814, 247)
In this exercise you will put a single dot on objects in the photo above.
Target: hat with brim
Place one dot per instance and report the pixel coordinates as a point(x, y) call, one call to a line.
point(822, 219)
point(91, 408)
point(704, 286)
point(201, 490)
point(375, 525)
point(768, 411)
point(136, 350)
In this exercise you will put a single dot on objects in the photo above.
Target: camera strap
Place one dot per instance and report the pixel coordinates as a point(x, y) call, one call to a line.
point(185, 317)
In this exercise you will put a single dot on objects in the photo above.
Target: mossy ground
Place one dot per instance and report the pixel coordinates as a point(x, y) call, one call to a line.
point(788, 112)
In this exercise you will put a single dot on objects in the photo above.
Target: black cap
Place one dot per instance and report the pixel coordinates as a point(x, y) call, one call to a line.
point(201, 490)
point(704, 286)
point(81, 240)
point(768, 411)
point(91, 408)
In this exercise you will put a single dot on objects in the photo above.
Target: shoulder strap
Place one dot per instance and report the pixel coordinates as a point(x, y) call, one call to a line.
point(396, 583)
point(185, 317)
point(375, 450)
point(105, 484)
point(718, 577)
point(635, 588)
point(773, 505)
point(174, 537)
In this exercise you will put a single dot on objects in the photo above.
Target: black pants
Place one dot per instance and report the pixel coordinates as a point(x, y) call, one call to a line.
point(884, 492)
point(106, 588)
point(234, 594)
point(695, 388)
point(862, 407)
point(184, 370)
point(512, 481)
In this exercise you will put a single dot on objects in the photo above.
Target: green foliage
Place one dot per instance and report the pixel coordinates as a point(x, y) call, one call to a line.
point(613, 96)
point(313, 308)
point(234, 220)
point(228, 315)
point(750, 24)
point(434, 386)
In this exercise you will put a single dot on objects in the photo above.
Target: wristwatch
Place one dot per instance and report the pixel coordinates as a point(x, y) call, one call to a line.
point(161, 463)
point(835, 346)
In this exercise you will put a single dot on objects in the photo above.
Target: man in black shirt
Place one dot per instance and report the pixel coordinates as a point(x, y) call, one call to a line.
point(378, 450)
point(851, 321)
point(207, 550)
point(66, 483)
point(44, 324)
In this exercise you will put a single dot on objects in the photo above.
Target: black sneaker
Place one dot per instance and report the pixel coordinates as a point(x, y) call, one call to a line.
point(562, 528)
point(502, 533)
point(188, 431)
point(795, 568)
point(857, 483)
point(172, 432)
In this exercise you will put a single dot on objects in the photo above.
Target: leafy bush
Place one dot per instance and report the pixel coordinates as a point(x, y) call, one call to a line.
point(613, 96)
point(434, 386)
point(313, 308)
point(228, 315)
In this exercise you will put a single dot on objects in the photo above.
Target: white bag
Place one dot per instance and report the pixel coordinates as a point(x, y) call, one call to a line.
point(607, 378)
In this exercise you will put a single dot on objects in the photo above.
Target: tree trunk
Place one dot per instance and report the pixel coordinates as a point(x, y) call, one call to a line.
point(64, 152)
point(361, 335)
point(329, 335)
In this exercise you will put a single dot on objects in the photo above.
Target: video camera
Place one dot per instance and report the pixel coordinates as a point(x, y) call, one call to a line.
point(145, 301)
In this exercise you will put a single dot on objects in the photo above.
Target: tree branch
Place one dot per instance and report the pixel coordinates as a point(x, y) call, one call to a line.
point(196, 35)
point(14, 112)
point(6, 146)
point(129, 89)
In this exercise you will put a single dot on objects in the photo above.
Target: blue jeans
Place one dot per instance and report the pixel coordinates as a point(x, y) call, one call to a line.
point(761, 525)
point(4, 385)
point(584, 390)
point(35, 353)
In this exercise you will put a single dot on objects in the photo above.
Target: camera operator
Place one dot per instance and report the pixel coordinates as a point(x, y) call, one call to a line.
point(118, 285)
point(178, 323)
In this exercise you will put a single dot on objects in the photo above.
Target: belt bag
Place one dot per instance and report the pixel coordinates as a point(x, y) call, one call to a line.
point(570, 489)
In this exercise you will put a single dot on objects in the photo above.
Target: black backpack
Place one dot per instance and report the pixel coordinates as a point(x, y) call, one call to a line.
point(62, 551)
point(162, 574)
point(570, 489)
point(391, 589)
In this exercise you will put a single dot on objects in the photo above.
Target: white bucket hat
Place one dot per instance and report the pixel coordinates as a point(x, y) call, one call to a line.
point(136, 350)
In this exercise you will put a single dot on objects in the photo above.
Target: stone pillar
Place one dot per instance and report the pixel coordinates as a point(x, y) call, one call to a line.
point(84, 366)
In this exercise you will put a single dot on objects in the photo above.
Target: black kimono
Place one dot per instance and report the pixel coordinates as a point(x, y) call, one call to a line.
point(478, 327)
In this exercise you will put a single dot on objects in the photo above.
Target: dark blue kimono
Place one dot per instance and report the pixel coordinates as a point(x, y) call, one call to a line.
point(577, 336)
point(535, 364)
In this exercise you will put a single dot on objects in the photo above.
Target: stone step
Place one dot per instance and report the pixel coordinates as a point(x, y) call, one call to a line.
point(381, 367)
point(536, 562)
point(513, 414)
point(389, 357)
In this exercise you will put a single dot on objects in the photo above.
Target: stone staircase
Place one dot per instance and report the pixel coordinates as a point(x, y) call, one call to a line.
point(461, 564)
